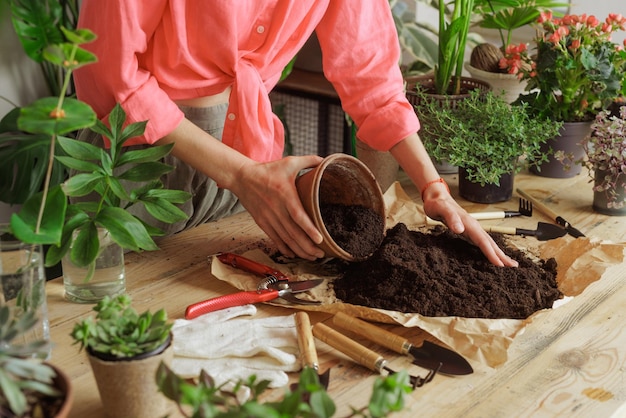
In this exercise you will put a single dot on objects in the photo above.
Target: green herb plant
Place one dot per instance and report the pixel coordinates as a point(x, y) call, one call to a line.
point(203, 399)
point(24, 381)
point(119, 331)
point(485, 136)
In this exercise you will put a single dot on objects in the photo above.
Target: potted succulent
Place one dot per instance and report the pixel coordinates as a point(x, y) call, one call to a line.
point(125, 349)
point(29, 386)
point(503, 16)
point(605, 157)
point(308, 398)
point(485, 137)
point(574, 72)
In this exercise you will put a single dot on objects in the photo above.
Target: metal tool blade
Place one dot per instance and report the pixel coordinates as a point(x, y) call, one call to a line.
point(430, 356)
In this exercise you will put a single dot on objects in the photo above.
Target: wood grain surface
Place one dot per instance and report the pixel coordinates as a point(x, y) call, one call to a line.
point(572, 363)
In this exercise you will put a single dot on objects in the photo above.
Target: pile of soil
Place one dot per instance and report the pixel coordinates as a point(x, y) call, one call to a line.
point(441, 274)
point(358, 230)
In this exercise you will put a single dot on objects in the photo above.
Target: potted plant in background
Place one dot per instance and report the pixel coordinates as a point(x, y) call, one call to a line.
point(125, 349)
point(446, 85)
point(605, 157)
point(485, 137)
point(504, 16)
point(574, 73)
point(29, 387)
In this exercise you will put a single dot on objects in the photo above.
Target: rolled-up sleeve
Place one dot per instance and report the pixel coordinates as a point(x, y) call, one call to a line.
point(124, 29)
point(361, 59)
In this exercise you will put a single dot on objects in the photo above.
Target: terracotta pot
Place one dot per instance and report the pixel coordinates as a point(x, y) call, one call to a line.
point(506, 86)
point(382, 164)
point(489, 193)
point(339, 179)
point(128, 387)
point(571, 134)
point(601, 198)
point(427, 83)
point(64, 384)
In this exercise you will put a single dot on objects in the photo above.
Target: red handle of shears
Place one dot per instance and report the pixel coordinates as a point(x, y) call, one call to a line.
point(229, 301)
point(250, 266)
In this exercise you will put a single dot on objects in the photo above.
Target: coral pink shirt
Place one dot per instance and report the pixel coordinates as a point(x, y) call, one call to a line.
point(153, 52)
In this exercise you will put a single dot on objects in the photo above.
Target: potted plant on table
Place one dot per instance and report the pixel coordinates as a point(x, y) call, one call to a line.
point(574, 72)
point(504, 16)
point(605, 157)
point(446, 85)
point(85, 229)
point(485, 138)
point(125, 349)
point(29, 387)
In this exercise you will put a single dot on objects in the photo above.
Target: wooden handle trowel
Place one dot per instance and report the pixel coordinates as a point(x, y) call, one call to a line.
point(428, 355)
point(306, 342)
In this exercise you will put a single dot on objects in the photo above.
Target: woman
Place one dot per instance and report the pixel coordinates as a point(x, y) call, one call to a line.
point(195, 67)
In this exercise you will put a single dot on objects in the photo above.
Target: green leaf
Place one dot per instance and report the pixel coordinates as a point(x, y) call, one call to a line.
point(125, 229)
point(76, 164)
point(164, 211)
point(68, 56)
point(79, 36)
point(150, 154)
point(36, 25)
point(132, 130)
point(80, 149)
point(24, 223)
point(173, 196)
point(85, 246)
point(83, 184)
point(37, 118)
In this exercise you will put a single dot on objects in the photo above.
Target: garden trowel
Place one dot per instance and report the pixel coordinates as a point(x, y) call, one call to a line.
point(429, 355)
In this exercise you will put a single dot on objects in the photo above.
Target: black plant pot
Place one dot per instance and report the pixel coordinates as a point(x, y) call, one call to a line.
point(489, 193)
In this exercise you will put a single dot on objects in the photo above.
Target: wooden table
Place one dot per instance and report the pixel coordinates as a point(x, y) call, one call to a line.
point(572, 363)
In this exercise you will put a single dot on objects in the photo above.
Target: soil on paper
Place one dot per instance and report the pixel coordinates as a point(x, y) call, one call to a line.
point(441, 274)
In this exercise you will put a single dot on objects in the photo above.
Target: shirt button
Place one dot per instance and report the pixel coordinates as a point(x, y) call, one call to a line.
point(231, 116)
point(260, 29)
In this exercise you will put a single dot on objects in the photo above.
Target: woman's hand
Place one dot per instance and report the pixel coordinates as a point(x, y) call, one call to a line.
point(268, 192)
point(438, 204)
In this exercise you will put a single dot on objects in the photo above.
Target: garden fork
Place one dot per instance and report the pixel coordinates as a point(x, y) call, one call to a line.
point(525, 209)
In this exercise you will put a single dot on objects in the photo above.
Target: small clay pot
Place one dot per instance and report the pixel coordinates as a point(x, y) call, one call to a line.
point(339, 179)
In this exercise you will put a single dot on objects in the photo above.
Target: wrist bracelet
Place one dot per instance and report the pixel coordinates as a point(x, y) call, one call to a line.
point(430, 183)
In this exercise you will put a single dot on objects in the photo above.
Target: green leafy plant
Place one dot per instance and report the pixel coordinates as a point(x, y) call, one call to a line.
point(24, 155)
point(507, 15)
point(454, 25)
point(504, 16)
point(576, 70)
point(485, 135)
point(46, 218)
point(26, 383)
point(119, 331)
point(309, 399)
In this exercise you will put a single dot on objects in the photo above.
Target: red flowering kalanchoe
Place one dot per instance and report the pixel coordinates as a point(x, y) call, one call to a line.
point(575, 71)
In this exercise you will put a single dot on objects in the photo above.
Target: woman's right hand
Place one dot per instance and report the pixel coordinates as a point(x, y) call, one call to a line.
point(268, 192)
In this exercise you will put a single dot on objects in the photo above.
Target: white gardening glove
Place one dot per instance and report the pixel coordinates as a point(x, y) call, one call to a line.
point(231, 348)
